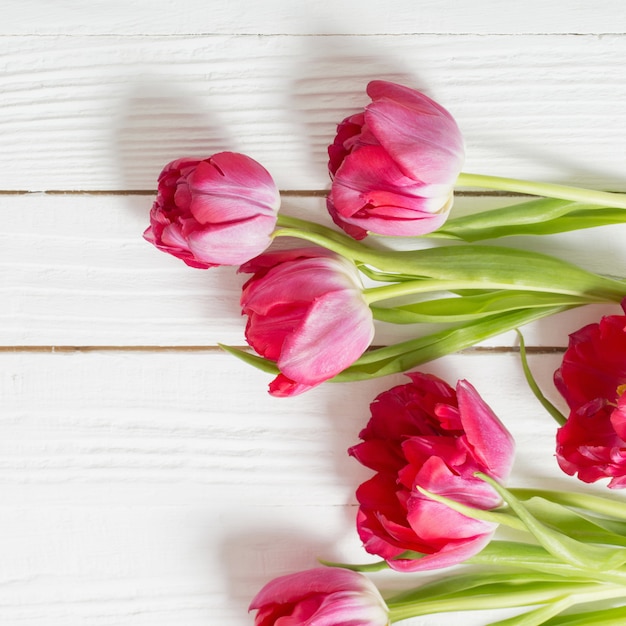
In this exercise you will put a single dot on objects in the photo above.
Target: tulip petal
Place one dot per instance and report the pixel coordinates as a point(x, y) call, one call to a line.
point(229, 174)
point(336, 331)
point(491, 442)
point(216, 244)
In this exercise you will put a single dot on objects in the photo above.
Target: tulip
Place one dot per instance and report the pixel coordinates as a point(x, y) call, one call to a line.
point(306, 312)
point(393, 166)
point(324, 596)
point(216, 211)
point(592, 380)
point(426, 435)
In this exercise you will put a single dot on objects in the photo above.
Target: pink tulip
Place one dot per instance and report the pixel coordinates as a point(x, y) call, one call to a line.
point(394, 165)
point(307, 313)
point(425, 434)
point(324, 596)
point(216, 211)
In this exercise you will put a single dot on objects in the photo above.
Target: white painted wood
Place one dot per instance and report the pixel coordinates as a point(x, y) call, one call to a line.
point(142, 17)
point(167, 488)
point(75, 271)
point(107, 112)
point(162, 485)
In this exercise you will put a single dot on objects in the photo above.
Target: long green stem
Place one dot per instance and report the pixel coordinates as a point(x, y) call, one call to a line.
point(568, 594)
point(483, 266)
point(549, 190)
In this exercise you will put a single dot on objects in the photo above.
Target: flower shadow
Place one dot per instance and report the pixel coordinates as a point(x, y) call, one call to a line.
point(330, 85)
point(157, 124)
point(250, 560)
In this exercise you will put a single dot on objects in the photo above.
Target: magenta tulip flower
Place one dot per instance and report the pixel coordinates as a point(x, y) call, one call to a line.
point(216, 211)
point(393, 166)
point(307, 313)
point(592, 379)
point(426, 434)
point(324, 596)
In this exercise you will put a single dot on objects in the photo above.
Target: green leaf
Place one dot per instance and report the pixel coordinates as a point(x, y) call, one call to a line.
point(481, 591)
point(576, 553)
point(587, 528)
point(406, 355)
point(599, 617)
point(534, 387)
point(363, 567)
point(518, 554)
point(471, 307)
point(539, 615)
point(600, 505)
point(545, 216)
point(493, 516)
point(252, 359)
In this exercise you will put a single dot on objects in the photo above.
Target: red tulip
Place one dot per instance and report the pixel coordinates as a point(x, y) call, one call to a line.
point(425, 434)
point(394, 165)
point(216, 211)
point(306, 312)
point(592, 379)
point(324, 596)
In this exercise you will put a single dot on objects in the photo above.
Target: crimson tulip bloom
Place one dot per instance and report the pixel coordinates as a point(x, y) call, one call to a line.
point(306, 312)
point(324, 596)
point(393, 166)
point(426, 434)
point(216, 211)
point(592, 379)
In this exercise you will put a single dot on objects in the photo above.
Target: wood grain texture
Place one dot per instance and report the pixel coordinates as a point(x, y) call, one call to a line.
point(167, 489)
point(311, 18)
point(106, 112)
point(147, 478)
point(75, 271)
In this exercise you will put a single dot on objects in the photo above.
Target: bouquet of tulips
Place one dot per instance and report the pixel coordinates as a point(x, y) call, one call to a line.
point(440, 456)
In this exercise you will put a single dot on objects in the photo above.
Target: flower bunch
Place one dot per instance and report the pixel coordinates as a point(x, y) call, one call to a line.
point(441, 458)
point(439, 454)
point(394, 167)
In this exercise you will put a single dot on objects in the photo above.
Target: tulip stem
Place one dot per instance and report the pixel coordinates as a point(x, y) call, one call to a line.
point(413, 287)
point(558, 596)
point(548, 190)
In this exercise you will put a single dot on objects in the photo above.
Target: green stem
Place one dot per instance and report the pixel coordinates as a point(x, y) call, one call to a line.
point(480, 266)
point(566, 595)
point(549, 190)
point(287, 221)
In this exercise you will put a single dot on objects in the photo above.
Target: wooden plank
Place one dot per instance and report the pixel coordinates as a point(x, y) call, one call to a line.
point(75, 271)
point(134, 493)
point(107, 112)
point(322, 17)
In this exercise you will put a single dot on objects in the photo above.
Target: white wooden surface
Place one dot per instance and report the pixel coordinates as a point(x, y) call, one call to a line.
point(146, 478)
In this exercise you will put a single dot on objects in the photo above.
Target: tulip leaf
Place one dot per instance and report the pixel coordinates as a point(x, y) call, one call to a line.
point(470, 307)
point(492, 516)
point(534, 387)
point(545, 216)
point(363, 567)
point(599, 505)
point(599, 617)
point(529, 556)
point(259, 362)
point(406, 355)
point(562, 546)
point(585, 528)
point(481, 591)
